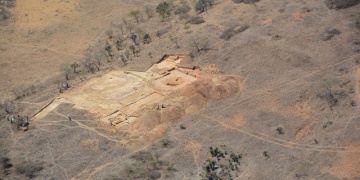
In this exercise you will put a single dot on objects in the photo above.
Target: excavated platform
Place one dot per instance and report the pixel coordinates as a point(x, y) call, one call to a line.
point(125, 91)
point(145, 103)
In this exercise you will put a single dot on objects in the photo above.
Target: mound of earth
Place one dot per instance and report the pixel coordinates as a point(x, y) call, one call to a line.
point(341, 4)
point(154, 119)
point(220, 87)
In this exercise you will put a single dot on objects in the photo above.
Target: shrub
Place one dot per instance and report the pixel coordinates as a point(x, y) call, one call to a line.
point(4, 14)
point(8, 3)
point(143, 156)
point(163, 9)
point(23, 91)
point(147, 165)
point(146, 38)
point(91, 65)
point(133, 37)
point(200, 44)
point(280, 130)
point(245, 1)
point(163, 31)
point(166, 143)
point(5, 163)
point(237, 1)
point(341, 4)
point(9, 107)
point(119, 44)
point(357, 22)
point(235, 158)
point(196, 20)
point(29, 169)
point(218, 168)
point(67, 71)
point(250, 1)
point(232, 31)
point(203, 5)
point(182, 126)
point(74, 67)
point(329, 34)
point(183, 8)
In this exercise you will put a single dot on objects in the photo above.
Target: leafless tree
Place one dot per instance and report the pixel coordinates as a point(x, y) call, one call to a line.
point(200, 44)
point(9, 107)
point(149, 11)
point(91, 65)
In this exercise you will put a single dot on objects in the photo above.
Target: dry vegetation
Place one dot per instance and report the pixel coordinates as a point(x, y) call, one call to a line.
point(295, 114)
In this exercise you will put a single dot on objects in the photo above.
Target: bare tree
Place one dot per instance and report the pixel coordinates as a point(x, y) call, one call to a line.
point(135, 14)
point(67, 71)
point(119, 44)
point(200, 44)
point(127, 55)
point(175, 40)
point(128, 25)
point(331, 91)
point(120, 27)
point(91, 65)
point(110, 33)
point(74, 67)
point(132, 49)
point(9, 107)
point(123, 59)
point(149, 11)
point(330, 95)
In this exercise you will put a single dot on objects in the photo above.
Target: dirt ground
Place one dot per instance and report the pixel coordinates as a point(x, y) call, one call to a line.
point(281, 89)
point(46, 35)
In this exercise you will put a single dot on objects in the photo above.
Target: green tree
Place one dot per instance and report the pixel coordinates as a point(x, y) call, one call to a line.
point(163, 9)
point(146, 38)
point(183, 8)
point(74, 67)
point(203, 5)
point(133, 37)
point(136, 14)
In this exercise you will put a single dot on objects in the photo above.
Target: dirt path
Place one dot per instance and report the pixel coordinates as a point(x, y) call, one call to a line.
point(287, 144)
point(47, 109)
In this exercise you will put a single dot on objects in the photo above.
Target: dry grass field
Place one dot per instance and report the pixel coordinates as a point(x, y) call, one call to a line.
point(265, 89)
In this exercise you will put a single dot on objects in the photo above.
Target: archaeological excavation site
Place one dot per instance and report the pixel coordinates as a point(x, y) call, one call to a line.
point(179, 89)
point(145, 103)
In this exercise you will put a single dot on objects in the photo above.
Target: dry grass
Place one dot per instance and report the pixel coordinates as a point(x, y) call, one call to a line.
point(283, 61)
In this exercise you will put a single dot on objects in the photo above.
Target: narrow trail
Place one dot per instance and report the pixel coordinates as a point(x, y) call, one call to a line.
point(91, 129)
point(285, 143)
